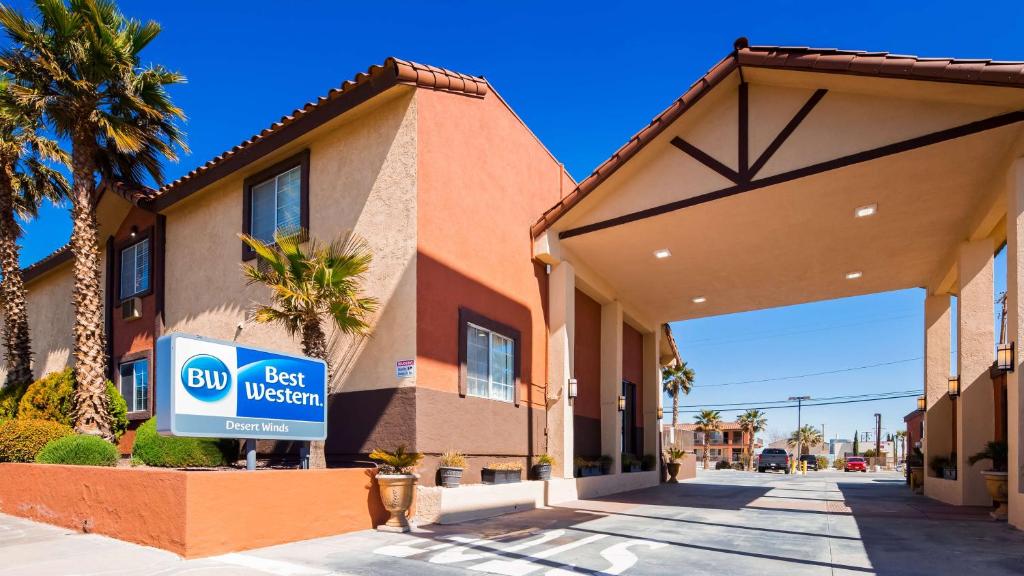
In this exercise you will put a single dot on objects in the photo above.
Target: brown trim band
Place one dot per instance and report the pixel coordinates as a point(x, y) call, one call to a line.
point(706, 159)
point(856, 158)
point(785, 133)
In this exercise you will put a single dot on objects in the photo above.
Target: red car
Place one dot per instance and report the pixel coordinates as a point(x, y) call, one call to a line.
point(856, 464)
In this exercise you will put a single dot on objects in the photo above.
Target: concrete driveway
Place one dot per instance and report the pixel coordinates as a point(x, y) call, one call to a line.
point(724, 522)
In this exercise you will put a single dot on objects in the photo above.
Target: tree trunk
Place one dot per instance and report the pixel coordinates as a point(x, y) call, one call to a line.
point(314, 345)
point(675, 410)
point(707, 452)
point(91, 411)
point(18, 347)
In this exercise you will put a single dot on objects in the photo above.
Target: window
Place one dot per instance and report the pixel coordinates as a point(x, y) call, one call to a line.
point(489, 358)
point(135, 269)
point(135, 384)
point(276, 201)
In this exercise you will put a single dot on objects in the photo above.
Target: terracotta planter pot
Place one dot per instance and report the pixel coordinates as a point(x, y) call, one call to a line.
point(673, 471)
point(996, 484)
point(396, 492)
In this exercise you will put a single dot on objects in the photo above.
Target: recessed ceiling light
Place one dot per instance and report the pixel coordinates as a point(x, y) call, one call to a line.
point(700, 300)
point(865, 211)
point(854, 275)
point(662, 253)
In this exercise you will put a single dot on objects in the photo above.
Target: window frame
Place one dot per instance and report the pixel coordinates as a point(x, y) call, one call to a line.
point(468, 317)
point(142, 356)
point(301, 161)
point(119, 248)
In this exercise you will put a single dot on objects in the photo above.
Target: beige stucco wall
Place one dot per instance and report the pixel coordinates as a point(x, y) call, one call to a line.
point(362, 178)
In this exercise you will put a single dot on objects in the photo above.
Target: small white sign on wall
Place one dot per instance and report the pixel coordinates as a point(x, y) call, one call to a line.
point(405, 368)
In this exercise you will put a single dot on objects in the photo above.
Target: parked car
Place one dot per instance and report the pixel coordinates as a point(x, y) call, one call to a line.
point(856, 464)
point(812, 461)
point(773, 459)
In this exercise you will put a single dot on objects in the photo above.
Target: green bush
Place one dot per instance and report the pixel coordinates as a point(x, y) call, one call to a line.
point(52, 397)
point(822, 463)
point(21, 440)
point(839, 464)
point(176, 452)
point(10, 396)
point(79, 449)
point(723, 465)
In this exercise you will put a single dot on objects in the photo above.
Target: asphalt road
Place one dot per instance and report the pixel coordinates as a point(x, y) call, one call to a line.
point(723, 523)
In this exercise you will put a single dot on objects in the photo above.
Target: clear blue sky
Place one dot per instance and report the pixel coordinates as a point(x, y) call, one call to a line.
point(584, 76)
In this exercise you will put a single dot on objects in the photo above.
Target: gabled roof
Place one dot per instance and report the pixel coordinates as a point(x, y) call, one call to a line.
point(826, 60)
point(364, 86)
point(46, 263)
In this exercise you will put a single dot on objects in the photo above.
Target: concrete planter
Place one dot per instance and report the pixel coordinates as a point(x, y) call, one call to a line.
point(587, 471)
point(396, 492)
point(449, 477)
point(673, 471)
point(542, 471)
point(995, 482)
point(491, 476)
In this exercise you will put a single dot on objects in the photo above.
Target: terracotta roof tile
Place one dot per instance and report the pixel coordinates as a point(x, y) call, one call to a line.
point(47, 263)
point(829, 60)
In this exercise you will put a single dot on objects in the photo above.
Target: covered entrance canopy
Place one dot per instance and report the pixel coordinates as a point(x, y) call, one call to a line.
point(791, 175)
point(752, 178)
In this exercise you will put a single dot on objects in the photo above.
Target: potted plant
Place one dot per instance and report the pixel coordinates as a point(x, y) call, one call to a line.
point(502, 473)
point(938, 466)
point(995, 478)
point(674, 455)
point(648, 462)
point(605, 462)
point(585, 468)
point(397, 484)
point(915, 463)
point(449, 471)
point(542, 468)
point(630, 463)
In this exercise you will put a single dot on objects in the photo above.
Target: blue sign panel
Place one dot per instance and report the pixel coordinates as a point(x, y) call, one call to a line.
point(211, 388)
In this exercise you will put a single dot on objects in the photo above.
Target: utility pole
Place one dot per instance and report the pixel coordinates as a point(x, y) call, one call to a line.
point(878, 435)
point(799, 407)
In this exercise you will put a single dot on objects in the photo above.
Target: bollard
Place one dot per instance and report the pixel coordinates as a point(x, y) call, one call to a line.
point(803, 467)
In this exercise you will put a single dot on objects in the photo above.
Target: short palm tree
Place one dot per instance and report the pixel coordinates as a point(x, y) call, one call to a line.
point(807, 437)
point(26, 179)
point(751, 422)
point(708, 421)
point(677, 379)
point(311, 286)
point(78, 65)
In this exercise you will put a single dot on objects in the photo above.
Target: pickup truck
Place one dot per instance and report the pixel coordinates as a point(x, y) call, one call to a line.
point(773, 459)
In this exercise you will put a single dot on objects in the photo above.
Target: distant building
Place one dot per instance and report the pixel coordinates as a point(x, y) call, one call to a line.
point(727, 444)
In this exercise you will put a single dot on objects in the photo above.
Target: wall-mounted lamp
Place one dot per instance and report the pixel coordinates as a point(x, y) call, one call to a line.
point(661, 412)
point(1004, 356)
point(622, 403)
point(133, 232)
point(954, 386)
point(920, 403)
point(573, 389)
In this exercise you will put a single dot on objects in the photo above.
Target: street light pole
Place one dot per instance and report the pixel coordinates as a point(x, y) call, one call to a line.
point(799, 408)
point(878, 436)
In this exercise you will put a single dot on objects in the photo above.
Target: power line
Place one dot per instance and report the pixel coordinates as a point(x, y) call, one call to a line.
point(853, 401)
point(808, 375)
point(816, 399)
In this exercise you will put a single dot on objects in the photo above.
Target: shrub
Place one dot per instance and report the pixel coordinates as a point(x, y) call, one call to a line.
point(738, 466)
point(546, 459)
point(822, 463)
point(176, 452)
point(397, 462)
point(453, 459)
point(839, 464)
point(10, 396)
point(79, 449)
point(648, 462)
point(21, 440)
point(52, 397)
point(673, 454)
point(508, 466)
point(722, 465)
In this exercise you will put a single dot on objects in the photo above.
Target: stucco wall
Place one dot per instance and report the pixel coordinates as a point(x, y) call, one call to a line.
point(51, 319)
point(363, 179)
point(483, 179)
point(587, 365)
point(633, 371)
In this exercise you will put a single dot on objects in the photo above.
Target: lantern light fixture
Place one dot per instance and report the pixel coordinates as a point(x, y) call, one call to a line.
point(954, 386)
point(573, 388)
point(661, 413)
point(920, 403)
point(622, 403)
point(133, 232)
point(1005, 356)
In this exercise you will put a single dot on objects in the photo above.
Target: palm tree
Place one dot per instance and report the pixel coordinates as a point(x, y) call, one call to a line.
point(901, 440)
point(677, 379)
point(26, 179)
point(310, 287)
point(708, 421)
point(751, 422)
point(806, 437)
point(79, 67)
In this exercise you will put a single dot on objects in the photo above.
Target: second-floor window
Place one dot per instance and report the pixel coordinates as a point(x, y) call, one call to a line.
point(277, 206)
point(135, 269)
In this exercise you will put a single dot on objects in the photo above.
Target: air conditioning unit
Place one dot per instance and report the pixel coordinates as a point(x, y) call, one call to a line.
point(131, 308)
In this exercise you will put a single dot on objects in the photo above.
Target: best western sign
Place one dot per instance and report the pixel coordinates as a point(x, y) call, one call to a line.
point(219, 389)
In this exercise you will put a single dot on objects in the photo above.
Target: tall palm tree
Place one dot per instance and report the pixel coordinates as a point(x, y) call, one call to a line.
point(751, 422)
point(901, 441)
point(807, 437)
point(708, 421)
point(26, 179)
point(677, 379)
point(78, 65)
point(312, 286)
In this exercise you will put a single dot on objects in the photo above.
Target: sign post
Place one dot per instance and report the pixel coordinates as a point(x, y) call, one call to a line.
point(215, 389)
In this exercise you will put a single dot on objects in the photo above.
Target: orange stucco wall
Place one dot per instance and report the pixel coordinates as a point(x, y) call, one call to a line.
point(482, 180)
point(194, 513)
